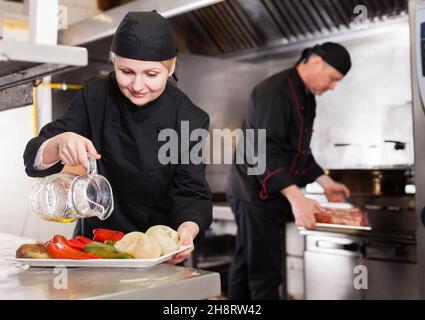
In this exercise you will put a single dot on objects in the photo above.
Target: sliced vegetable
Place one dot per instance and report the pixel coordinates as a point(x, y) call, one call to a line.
point(32, 251)
point(76, 244)
point(105, 251)
point(84, 239)
point(59, 248)
point(103, 235)
point(168, 239)
point(79, 242)
point(139, 245)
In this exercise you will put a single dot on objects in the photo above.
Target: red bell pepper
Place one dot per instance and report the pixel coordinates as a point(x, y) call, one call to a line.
point(103, 235)
point(76, 244)
point(84, 239)
point(79, 242)
point(59, 248)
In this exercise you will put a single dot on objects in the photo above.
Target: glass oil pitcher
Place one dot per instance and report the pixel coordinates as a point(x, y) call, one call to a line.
point(66, 197)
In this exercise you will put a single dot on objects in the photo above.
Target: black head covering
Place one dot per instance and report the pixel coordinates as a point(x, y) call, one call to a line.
point(144, 36)
point(333, 53)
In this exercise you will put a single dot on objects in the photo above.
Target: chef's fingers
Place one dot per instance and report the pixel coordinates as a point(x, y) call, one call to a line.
point(187, 240)
point(65, 157)
point(185, 254)
point(338, 197)
point(180, 257)
point(318, 207)
point(307, 221)
point(346, 191)
point(82, 156)
point(312, 222)
point(73, 151)
point(91, 149)
point(185, 235)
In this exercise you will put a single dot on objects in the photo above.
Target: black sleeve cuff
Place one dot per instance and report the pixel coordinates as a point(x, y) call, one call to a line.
point(275, 181)
point(311, 173)
point(29, 158)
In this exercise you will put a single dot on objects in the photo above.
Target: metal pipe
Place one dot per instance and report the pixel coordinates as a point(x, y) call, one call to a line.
point(34, 112)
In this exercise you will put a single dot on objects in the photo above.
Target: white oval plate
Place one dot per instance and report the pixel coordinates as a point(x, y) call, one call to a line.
point(98, 263)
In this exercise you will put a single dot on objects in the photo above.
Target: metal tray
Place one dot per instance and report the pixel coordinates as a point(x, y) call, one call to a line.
point(337, 227)
point(340, 227)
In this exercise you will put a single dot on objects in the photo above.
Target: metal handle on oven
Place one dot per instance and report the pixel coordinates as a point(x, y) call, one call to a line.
point(340, 246)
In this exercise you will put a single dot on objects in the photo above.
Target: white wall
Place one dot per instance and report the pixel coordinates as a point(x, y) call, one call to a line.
point(16, 128)
point(373, 104)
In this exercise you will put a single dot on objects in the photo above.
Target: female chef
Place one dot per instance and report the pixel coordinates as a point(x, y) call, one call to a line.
point(118, 118)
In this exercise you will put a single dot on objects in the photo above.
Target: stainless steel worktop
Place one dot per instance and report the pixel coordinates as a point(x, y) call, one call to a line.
point(160, 282)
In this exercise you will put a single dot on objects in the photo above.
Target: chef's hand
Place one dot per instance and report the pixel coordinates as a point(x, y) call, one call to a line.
point(334, 191)
point(70, 148)
point(302, 207)
point(187, 231)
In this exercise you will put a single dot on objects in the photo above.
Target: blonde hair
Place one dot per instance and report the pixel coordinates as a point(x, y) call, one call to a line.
point(168, 64)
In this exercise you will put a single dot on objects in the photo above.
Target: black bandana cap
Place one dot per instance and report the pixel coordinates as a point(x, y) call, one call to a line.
point(333, 53)
point(144, 36)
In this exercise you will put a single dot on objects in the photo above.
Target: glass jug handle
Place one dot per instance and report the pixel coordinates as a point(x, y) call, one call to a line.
point(91, 164)
point(101, 215)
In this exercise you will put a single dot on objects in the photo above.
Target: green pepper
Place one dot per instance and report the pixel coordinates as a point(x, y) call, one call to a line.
point(105, 251)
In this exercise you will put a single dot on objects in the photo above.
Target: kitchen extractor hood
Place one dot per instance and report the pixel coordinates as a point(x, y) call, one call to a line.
point(21, 63)
point(246, 30)
point(104, 25)
point(254, 30)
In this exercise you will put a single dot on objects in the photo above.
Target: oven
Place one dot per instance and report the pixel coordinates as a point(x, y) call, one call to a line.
point(384, 258)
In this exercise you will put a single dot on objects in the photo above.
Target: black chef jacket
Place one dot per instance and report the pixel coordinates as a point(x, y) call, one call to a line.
point(145, 191)
point(282, 105)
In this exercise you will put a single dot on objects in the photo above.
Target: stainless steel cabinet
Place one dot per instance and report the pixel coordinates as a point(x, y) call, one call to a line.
point(329, 265)
point(390, 268)
point(295, 247)
point(391, 280)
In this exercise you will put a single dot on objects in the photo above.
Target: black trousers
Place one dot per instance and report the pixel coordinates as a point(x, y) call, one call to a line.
point(259, 266)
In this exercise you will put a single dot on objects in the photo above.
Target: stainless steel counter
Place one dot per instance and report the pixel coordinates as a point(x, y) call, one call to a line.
point(159, 282)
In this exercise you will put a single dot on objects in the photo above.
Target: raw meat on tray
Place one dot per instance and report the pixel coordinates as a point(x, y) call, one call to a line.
point(351, 217)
